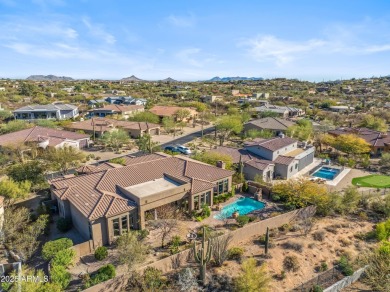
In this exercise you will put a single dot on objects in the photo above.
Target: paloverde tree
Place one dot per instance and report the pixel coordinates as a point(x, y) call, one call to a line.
point(131, 250)
point(146, 144)
point(182, 114)
point(147, 117)
point(115, 139)
point(252, 277)
point(12, 191)
point(62, 159)
point(226, 126)
point(351, 144)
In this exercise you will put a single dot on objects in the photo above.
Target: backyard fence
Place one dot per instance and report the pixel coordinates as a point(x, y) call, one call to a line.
point(323, 280)
point(346, 281)
point(185, 257)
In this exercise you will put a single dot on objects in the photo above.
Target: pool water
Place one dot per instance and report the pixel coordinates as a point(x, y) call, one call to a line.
point(326, 173)
point(242, 205)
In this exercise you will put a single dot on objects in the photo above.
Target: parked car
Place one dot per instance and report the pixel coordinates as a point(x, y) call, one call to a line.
point(184, 149)
point(172, 149)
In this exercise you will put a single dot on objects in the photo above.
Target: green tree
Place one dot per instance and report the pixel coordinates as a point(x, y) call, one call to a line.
point(4, 114)
point(115, 139)
point(27, 89)
point(253, 133)
point(62, 159)
point(385, 160)
point(51, 248)
point(213, 157)
point(60, 276)
point(252, 277)
point(32, 171)
point(302, 192)
point(350, 200)
point(14, 126)
point(34, 286)
point(227, 125)
point(131, 250)
point(20, 234)
point(13, 191)
point(146, 144)
point(182, 114)
point(46, 123)
point(302, 131)
point(169, 125)
point(145, 117)
point(375, 123)
point(351, 144)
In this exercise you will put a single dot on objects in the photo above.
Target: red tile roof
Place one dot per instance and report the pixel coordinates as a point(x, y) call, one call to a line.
point(37, 134)
point(273, 144)
point(88, 193)
point(285, 160)
point(162, 110)
point(374, 138)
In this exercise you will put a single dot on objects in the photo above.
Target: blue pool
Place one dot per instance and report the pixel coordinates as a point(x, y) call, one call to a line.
point(326, 173)
point(242, 205)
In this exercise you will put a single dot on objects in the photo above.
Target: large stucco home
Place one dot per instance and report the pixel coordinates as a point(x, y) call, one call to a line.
point(47, 111)
point(278, 157)
point(106, 200)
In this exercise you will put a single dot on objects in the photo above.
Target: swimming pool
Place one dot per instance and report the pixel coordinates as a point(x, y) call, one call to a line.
point(242, 205)
point(326, 172)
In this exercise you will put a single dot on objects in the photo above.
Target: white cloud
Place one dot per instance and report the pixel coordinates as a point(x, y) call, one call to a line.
point(270, 48)
point(188, 56)
point(98, 31)
point(181, 21)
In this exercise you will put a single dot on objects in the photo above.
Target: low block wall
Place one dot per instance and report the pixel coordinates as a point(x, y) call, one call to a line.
point(83, 249)
point(186, 257)
point(346, 281)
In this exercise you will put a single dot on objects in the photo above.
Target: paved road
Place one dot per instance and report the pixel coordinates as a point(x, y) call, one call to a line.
point(180, 140)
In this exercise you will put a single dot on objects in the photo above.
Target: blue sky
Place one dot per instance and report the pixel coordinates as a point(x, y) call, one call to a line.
point(195, 40)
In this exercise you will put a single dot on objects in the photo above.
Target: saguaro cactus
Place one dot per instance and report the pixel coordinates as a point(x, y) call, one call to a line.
point(266, 241)
point(203, 256)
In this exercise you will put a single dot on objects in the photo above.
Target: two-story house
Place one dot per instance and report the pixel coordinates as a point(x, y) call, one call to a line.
point(278, 157)
point(124, 111)
point(48, 111)
point(107, 200)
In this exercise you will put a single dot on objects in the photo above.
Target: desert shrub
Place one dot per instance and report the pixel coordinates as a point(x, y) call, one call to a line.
point(316, 288)
point(64, 224)
point(64, 258)
point(59, 275)
point(345, 242)
point(105, 273)
point(284, 227)
point(142, 234)
point(153, 278)
point(51, 248)
point(322, 267)
point(245, 187)
point(383, 230)
point(345, 266)
point(118, 160)
point(101, 253)
point(235, 253)
point(293, 245)
point(332, 229)
point(242, 220)
point(174, 244)
point(291, 263)
point(275, 198)
point(319, 235)
point(252, 277)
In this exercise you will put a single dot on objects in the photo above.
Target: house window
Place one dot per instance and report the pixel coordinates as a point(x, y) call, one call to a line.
point(291, 169)
point(115, 225)
point(296, 166)
point(90, 230)
point(131, 221)
point(196, 203)
point(124, 224)
point(225, 185)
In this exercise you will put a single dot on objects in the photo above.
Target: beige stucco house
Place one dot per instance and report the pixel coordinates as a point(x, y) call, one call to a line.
point(106, 200)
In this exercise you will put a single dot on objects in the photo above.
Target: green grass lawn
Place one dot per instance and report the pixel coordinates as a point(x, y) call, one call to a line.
point(372, 181)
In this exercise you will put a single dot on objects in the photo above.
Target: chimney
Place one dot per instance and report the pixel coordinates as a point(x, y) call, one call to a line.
point(221, 164)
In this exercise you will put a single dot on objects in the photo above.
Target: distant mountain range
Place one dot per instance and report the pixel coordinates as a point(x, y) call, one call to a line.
point(49, 78)
point(133, 78)
point(227, 79)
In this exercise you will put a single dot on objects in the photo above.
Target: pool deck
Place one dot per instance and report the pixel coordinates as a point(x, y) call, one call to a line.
point(338, 178)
